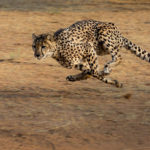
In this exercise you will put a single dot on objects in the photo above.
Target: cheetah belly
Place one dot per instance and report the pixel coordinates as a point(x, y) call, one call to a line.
point(100, 49)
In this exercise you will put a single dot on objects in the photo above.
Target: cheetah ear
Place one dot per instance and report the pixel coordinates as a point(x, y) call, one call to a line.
point(50, 37)
point(34, 36)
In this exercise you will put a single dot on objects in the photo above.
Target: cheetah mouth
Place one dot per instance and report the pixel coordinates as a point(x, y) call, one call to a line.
point(50, 54)
point(39, 57)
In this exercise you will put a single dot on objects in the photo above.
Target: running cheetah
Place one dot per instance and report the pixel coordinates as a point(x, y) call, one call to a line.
point(79, 45)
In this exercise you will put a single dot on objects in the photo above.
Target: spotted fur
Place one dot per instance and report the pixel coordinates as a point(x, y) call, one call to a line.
point(79, 45)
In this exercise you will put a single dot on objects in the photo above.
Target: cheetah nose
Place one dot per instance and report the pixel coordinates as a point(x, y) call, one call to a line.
point(37, 55)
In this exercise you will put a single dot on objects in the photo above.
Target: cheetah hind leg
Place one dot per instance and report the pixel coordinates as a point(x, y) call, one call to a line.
point(107, 80)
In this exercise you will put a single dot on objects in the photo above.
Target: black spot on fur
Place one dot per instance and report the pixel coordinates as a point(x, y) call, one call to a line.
point(108, 45)
point(58, 32)
point(139, 55)
point(144, 52)
point(134, 52)
point(139, 49)
point(130, 43)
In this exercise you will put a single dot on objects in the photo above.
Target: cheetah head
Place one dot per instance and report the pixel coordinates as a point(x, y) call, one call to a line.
point(43, 45)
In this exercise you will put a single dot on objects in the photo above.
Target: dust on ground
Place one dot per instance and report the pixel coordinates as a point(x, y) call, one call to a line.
point(40, 110)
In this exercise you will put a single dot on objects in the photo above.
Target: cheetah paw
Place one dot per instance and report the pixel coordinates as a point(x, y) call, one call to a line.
point(117, 84)
point(70, 78)
point(106, 70)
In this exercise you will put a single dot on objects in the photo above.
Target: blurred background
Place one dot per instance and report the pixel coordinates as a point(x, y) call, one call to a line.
point(74, 5)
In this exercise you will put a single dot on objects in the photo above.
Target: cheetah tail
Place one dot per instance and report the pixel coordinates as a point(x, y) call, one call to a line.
point(139, 52)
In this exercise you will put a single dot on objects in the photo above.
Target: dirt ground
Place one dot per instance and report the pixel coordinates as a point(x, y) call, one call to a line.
point(40, 110)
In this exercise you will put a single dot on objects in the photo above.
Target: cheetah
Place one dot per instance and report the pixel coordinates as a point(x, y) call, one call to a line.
point(79, 45)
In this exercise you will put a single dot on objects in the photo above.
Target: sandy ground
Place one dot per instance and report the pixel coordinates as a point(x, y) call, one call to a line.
point(40, 110)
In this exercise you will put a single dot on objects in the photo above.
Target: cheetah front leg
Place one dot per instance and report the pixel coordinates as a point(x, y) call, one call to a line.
point(81, 76)
point(84, 67)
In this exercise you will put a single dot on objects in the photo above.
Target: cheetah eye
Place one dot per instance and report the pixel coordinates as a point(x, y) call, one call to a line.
point(34, 46)
point(43, 47)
